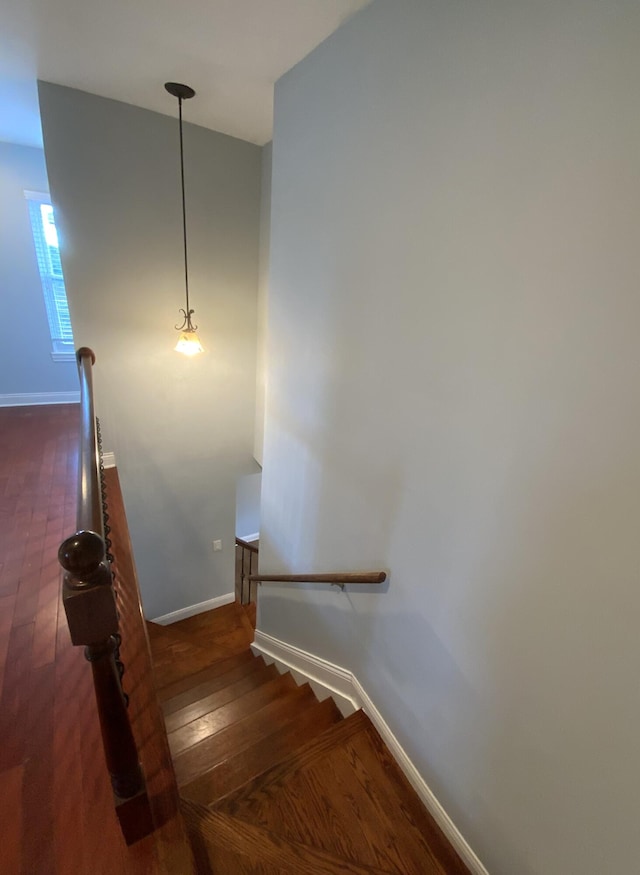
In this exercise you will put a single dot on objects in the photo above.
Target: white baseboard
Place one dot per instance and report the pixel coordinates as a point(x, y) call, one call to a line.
point(325, 678)
point(329, 679)
point(109, 460)
point(26, 400)
point(192, 610)
point(249, 538)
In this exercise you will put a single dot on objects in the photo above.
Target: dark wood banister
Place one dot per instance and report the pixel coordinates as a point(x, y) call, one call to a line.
point(89, 512)
point(90, 605)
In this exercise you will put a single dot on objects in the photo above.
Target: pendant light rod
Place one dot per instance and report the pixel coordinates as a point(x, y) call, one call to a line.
point(183, 92)
point(184, 208)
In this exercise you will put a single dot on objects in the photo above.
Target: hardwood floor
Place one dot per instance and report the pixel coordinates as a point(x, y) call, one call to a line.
point(273, 781)
point(56, 807)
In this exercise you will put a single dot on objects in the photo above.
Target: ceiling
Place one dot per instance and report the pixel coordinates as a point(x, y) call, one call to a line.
point(230, 51)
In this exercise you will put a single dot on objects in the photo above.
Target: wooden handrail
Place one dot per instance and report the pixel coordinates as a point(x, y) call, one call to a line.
point(90, 605)
point(89, 514)
point(346, 577)
point(247, 545)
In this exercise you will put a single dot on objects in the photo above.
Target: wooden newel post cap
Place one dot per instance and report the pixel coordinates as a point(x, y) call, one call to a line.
point(87, 595)
point(83, 351)
point(81, 554)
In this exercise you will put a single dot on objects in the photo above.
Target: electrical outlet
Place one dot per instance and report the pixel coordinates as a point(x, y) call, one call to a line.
point(217, 545)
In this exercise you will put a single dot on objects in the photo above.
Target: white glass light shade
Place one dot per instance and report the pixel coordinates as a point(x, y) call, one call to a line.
point(188, 343)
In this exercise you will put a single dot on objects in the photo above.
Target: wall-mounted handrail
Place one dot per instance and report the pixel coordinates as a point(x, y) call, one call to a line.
point(90, 605)
point(338, 578)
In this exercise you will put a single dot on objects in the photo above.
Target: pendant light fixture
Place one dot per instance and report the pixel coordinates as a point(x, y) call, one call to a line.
point(188, 342)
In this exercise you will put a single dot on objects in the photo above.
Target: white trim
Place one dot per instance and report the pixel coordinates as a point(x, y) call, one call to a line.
point(345, 688)
point(249, 538)
point(40, 197)
point(192, 610)
point(63, 356)
point(326, 679)
point(109, 461)
point(27, 399)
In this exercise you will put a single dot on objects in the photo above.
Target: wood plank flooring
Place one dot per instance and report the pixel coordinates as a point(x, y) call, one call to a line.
point(56, 807)
point(274, 781)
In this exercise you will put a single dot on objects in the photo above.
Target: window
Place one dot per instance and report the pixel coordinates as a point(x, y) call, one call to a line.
point(45, 238)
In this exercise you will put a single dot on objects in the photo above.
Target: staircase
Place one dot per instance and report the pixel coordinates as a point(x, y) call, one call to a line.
point(272, 780)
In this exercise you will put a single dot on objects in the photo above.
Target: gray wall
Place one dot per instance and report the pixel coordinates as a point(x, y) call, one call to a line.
point(26, 366)
point(181, 429)
point(263, 300)
point(248, 505)
point(453, 394)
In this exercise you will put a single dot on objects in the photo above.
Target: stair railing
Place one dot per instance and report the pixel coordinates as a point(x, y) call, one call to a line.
point(89, 601)
point(249, 552)
point(340, 579)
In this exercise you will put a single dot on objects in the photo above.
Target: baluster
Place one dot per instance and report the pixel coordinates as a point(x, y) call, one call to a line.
point(119, 745)
point(242, 577)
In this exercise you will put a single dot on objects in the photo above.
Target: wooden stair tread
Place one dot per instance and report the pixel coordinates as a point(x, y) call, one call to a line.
point(215, 721)
point(256, 849)
point(189, 646)
point(211, 684)
point(228, 626)
point(161, 636)
point(381, 766)
point(246, 765)
point(222, 696)
point(342, 793)
point(178, 664)
point(309, 753)
point(180, 660)
point(219, 619)
point(167, 691)
point(165, 643)
point(264, 721)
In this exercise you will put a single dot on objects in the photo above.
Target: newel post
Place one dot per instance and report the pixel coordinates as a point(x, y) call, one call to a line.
point(90, 606)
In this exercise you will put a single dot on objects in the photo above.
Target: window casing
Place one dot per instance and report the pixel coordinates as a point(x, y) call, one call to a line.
point(45, 239)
